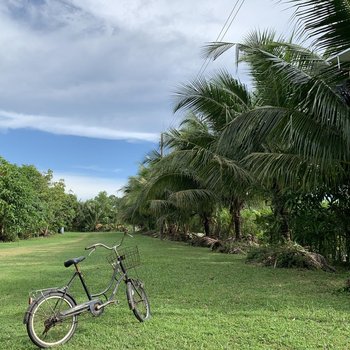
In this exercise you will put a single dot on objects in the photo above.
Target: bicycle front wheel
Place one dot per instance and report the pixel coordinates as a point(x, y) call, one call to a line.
point(138, 300)
point(45, 326)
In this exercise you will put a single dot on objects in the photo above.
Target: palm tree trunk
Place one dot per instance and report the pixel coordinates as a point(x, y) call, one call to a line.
point(237, 222)
point(281, 213)
point(236, 206)
point(285, 231)
point(161, 230)
point(206, 224)
point(2, 234)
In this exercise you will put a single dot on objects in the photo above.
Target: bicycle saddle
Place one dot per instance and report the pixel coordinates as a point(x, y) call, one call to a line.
point(73, 261)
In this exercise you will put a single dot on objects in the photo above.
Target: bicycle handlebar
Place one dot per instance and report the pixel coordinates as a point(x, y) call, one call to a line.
point(94, 246)
point(99, 245)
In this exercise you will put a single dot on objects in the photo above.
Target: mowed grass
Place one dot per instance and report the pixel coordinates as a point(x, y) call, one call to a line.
point(199, 299)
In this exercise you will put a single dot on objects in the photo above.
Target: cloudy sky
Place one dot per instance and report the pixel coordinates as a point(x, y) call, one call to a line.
point(86, 85)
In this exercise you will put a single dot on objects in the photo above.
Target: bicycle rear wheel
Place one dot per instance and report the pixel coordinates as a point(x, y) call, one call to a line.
point(138, 300)
point(45, 327)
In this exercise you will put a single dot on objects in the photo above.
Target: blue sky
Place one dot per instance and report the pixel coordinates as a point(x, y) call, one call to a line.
point(95, 164)
point(86, 85)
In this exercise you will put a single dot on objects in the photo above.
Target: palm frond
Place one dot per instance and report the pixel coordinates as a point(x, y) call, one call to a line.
point(218, 99)
point(193, 198)
point(316, 93)
point(216, 49)
point(327, 22)
point(290, 170)
point(167, 182)
point(152, 157)
point(251, 129)
point(213, 170)
point(161, 206)
point(301, 80)
point(234, 88)
point(191, 134)
point(310, 139)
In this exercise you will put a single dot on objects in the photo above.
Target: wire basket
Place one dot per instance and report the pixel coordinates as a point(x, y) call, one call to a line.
point(129, 257)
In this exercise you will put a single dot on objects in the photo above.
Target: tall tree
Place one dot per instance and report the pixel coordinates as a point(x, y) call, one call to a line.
point(218, 101)
point(298, 134)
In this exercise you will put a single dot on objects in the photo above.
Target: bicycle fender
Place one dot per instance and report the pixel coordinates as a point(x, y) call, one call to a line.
point(28, 311)
point(129, 284)
point(27, 314)
point(130, 302)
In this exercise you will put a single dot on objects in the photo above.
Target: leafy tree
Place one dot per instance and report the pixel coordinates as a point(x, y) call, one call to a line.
point(18, 202)
point(30, 203)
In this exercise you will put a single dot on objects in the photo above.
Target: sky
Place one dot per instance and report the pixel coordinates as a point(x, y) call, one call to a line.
point(87, 86)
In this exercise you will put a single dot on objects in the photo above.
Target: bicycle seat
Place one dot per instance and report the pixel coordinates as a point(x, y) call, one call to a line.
point(73, 261)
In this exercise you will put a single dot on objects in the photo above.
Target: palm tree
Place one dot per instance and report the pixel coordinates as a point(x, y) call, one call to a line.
point(298, 134)
point(218, 101)
point(132, 210)
point(291, 132)
point(175, 189)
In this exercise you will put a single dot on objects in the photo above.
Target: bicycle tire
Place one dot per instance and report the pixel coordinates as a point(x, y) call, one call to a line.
point(138, 300)
point(42, 328)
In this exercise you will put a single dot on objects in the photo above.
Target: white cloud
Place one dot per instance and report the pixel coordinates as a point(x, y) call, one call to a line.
point(107, 69)
point(11, 120)
point(86, 187)
point(97, 169)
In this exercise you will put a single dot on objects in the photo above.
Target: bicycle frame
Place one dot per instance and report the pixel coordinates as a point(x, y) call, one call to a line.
point(94, 304)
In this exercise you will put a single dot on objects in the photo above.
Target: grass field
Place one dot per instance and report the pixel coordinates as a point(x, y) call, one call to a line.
point(199, 299)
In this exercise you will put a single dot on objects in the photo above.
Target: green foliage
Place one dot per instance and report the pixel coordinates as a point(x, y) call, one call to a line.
point(250, 219)
point(321, 221)
point(251, 226)
point(31, 203)
point(18, 202)
point(223, 221)
point(98, 214)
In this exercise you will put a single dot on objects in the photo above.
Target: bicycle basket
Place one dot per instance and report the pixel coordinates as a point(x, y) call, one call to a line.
point(128, 256)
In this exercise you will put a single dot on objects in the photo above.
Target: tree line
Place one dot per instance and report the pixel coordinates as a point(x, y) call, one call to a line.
point(280, 147)
point(33, 204)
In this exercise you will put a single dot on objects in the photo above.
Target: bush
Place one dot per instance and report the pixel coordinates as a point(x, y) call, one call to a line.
point(289, 255)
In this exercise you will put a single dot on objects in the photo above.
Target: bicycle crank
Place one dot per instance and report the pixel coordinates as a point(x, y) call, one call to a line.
point(97, 308)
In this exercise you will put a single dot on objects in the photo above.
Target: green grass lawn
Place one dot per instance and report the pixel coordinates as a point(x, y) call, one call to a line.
point(199, 299)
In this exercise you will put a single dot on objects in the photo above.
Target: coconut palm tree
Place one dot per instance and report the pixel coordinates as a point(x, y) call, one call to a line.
point(175, 190)
point(132, 211)
point(292, 131)
point(218, 101)
point(298, 134)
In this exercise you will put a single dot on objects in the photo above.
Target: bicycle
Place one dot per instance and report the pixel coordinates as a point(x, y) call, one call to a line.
point(52, 315)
